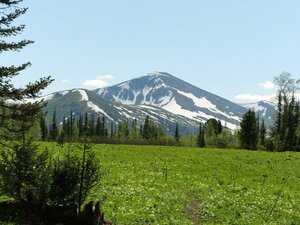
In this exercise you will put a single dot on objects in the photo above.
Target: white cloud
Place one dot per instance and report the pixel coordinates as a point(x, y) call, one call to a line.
point(99, 81)
point(268, 85)
point(255, 98)
point(66, 81)
point(105, 77)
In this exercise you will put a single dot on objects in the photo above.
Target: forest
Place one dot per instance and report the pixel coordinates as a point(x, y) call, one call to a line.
point(135, 172)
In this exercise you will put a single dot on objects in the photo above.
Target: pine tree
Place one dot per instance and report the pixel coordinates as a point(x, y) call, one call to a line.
point(133, 129)
point(279, 113)
point(98, 129)
point(86, 124)
point(43, 127)
point(65, 125)
point(262, 133)
point(177, 135)
point(146, 128)
point(286, 120)
point(200, 138)
point(92, 126)
point(71, 118)
point(249, 133)
point(80, 126)
point(16, 119)
point(112, 130)
point(23, 170)
point(103, 126)
point(53, 127)
point(220, 127)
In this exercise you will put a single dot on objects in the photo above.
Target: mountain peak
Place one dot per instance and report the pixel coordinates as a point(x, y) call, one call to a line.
point(159, 74)
point(161, 89)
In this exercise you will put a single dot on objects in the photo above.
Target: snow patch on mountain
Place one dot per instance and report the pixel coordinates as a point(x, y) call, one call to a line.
point(96, 108)
point(63, 93)
point(200, 102)
point(84, 96)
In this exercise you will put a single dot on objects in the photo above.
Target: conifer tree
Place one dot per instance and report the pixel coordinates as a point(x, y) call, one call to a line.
point(23, 170)
point(146, 128)
point(71, 118)
point(98, 127)
point(65, 125)
point(177, 135)
point(112, 130)
point(286, 120)
point(80, 126)
point(17, 117)
point(53, 127)
point(86, 124)
point(92, 126)
point(200, 138)
point(249, 133)
point(262, 133)
point(43, 127)
point(103, 130)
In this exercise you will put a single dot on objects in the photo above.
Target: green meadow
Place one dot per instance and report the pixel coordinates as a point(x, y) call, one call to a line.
point(181, 185)
point(178, 185)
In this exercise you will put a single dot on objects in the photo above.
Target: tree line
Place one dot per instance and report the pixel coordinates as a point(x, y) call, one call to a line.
point(282, 135)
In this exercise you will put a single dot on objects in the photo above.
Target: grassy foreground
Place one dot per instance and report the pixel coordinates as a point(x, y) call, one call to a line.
point(173, 185)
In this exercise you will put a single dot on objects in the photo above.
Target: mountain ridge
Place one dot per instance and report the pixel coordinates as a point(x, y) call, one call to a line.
point(166, 98)
point(164, 90)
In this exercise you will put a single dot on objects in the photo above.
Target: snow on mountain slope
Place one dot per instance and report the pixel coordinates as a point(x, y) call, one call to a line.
point(82, 101)
point(264, 109)
point(163, 90)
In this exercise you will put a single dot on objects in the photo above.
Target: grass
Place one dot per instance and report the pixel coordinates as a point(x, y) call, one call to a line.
point(173, 185)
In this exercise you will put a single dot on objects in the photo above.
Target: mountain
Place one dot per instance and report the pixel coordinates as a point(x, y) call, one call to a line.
point(264, 109)
point(85, 101)
point(162, 90)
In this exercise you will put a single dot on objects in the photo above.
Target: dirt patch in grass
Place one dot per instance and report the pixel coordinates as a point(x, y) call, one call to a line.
point(193, 210)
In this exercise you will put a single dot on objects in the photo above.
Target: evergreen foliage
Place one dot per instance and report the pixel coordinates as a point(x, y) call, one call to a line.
point(249, 133)
point(262, 133)
point(24, 173)
point(16, 115)
point(177, 135)
point(287, 120)
point(200, 138)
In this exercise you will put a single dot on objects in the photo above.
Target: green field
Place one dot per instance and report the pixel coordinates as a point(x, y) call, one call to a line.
point(173, 185)
point(178, 185)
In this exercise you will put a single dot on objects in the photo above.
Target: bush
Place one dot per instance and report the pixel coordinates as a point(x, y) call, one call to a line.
point(73, 177)
point(24, 173)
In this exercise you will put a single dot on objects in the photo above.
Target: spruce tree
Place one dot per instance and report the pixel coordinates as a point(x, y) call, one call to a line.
point(146, 129)
point(71, 118)
point(43, 127)
point(53, 127)
point(80, 126)
point(86, 124)
point(200, 138)
point(262, 133)
point(112, 130)
point(16, 115)
point(249, 133)
point(103, 130)
point(177, 135)
point(23, 169)
point(286, 120)
point(98, 127)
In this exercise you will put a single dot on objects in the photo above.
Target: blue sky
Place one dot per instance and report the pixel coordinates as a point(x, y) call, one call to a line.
point(230, 48)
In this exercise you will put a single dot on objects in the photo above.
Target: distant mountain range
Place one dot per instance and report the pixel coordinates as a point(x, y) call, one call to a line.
point(265, 110)
point(167, 99)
